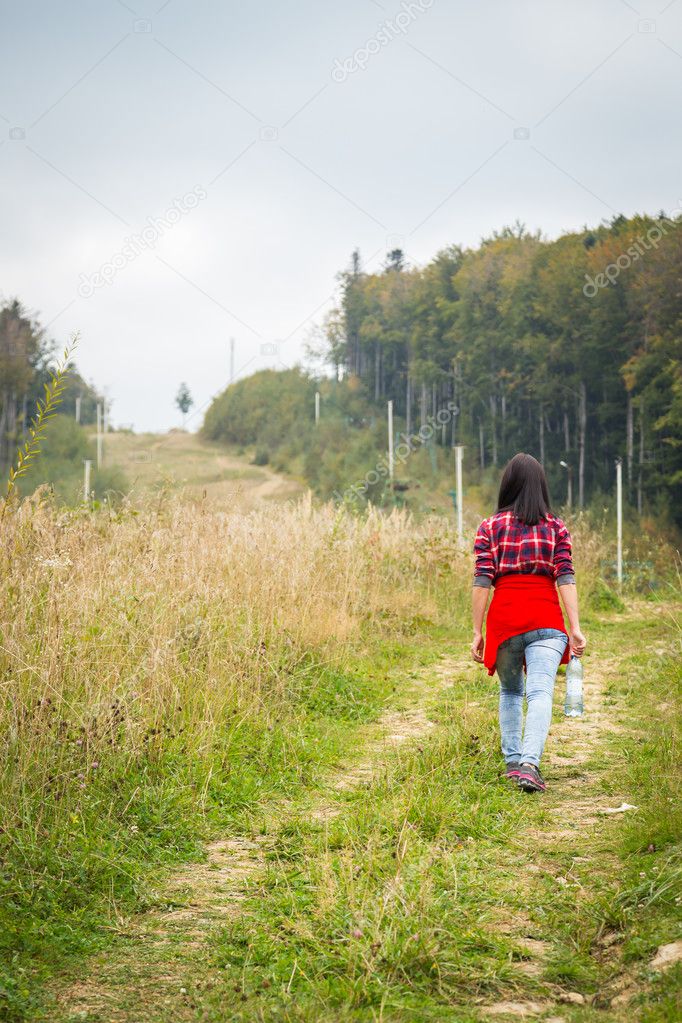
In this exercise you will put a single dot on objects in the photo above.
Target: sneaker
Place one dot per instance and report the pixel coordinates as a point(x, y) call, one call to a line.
point(530, 779)
point(512, 770)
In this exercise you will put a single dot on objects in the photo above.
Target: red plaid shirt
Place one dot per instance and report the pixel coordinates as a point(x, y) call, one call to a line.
point(506, 546)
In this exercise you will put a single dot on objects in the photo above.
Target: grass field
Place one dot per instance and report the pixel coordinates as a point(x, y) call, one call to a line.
point(251, 774)
point(182, 463)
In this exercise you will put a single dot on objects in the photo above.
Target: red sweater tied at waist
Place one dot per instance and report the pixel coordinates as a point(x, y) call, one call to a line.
point(521, 603)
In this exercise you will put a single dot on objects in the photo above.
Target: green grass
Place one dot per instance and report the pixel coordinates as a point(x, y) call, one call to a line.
point(391, 907)
point(130, 823)
point(395, 907)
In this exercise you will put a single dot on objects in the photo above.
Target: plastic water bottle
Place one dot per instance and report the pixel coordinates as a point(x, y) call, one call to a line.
point(573, 704)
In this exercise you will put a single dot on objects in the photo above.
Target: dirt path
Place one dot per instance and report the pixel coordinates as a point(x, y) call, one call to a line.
point(155, 950)
point(574, 807)
point(583, 818)
point(183, 461)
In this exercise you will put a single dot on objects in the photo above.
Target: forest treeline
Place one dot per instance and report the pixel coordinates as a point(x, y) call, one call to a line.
point(569, 349)
point(26, 354)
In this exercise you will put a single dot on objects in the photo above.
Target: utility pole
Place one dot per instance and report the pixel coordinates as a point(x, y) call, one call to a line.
point(99, 435)
point(78, 408)
point(317, 407)
point(390, 442)
point(87, 464)
point(231, 360)
point(619, 521)
point(459, 451)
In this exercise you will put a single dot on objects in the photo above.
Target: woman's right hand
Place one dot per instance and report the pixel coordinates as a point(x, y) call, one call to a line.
point(477, 647)
point(577, 642)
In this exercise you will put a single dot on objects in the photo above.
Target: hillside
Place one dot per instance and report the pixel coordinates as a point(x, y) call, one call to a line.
point(252, 773)
point(180, 462)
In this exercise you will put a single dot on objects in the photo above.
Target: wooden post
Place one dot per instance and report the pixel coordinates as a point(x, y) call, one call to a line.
point(87, 464)
point(569, 487)
point(78, 408)
point(99, 435)
point(459, 450)
point(619, 521)
point(408, 405)
point(390, 441)
point(582, 425)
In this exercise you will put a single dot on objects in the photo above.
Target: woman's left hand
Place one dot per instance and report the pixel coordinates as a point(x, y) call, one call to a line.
point(477, 647)
point(577, 642)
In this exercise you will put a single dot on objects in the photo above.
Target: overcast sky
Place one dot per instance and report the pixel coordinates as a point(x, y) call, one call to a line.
point(286, 134)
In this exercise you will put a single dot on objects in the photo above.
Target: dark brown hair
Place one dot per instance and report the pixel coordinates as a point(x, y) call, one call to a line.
point(523, 490)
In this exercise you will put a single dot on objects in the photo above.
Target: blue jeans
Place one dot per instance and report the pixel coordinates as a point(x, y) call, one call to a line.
point(543, 650)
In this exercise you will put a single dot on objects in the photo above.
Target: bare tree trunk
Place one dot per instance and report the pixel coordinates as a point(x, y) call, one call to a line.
point(582, 427)
point(542, 436)
point(630, 441)
point(422, 406)
point(24, 415)
point(377, 370)
point(567, 436)
point(493, 414)
point(481, 444)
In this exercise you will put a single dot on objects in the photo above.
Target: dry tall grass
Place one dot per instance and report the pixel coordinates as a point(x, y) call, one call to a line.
point(162, 664)
point(115, 624)
point(157, 609)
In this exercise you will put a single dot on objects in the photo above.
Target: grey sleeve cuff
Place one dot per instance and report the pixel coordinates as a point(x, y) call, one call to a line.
point(566, 579)
point(483, 580)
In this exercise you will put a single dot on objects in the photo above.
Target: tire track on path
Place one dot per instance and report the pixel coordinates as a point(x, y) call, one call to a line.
point(581, 821)
point(142, 978)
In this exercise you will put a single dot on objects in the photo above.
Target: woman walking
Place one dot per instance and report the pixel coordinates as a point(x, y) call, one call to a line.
point(525, 553)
